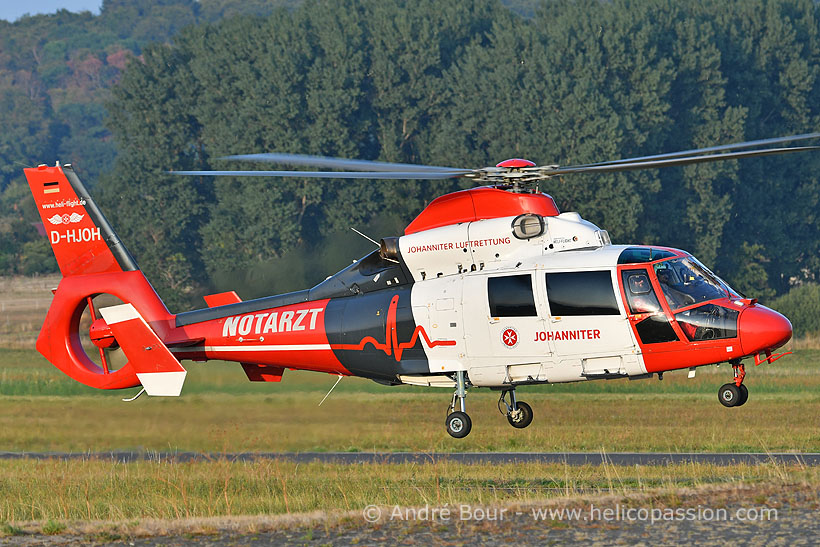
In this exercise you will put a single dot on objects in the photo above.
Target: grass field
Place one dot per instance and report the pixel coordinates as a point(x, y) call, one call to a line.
point(220, 412)
point(23, 305)
point(105, 491)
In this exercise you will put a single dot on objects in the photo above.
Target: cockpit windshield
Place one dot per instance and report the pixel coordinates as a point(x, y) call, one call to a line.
point(685, 282)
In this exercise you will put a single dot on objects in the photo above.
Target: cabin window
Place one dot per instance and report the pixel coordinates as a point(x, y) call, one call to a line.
point(581, 293)
point(511, 296)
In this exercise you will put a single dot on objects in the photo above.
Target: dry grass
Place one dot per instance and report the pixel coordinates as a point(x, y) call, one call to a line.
point(414, 422)
point(62, 492)
point(23, 305)
point(220, 411)
point(810, 341)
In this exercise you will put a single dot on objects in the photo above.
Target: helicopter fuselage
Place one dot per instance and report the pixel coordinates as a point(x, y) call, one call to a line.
point(551, 302)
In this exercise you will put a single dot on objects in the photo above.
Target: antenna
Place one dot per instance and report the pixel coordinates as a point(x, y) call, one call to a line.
point(370, 239)
point(331, 389)
point(135, 397)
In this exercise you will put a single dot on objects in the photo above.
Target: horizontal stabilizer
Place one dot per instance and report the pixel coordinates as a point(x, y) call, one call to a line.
point(222, 299)
point(157, 369)
point(263, 373)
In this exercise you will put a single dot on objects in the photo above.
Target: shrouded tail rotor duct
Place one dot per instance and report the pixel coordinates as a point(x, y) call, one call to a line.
point(60, 339)
point(389, 248)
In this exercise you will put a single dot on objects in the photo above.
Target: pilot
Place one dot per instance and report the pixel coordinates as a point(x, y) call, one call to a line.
point(642, 301)
point(674, 297)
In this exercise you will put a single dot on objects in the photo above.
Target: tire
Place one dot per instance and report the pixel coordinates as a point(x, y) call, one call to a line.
point(744, 395)
point(729, 395)
point(525, 417)
point(459, 424)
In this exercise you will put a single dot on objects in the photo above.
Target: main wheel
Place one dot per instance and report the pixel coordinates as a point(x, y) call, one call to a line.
point(522, 418)
point(744, 395)
point(459, 424)
point(729, 395)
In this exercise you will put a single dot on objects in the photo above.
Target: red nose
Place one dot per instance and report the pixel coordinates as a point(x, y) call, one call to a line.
point(761, 328)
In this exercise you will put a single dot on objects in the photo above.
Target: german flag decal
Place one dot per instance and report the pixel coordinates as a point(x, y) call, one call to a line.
point(51, 187)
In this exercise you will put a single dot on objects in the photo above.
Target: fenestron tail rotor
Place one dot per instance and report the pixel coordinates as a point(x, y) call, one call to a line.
point(511, 173)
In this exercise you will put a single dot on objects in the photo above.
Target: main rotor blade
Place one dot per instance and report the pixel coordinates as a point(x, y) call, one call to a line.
point(330, 174)
point(697, 151)
point(339, 163)
point(602, 168)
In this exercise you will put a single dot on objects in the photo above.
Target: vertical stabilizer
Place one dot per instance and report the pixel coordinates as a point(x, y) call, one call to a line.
point(82, 239)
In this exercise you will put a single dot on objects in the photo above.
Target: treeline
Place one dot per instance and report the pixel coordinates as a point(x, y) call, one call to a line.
point(56, 72)
point(467, 84)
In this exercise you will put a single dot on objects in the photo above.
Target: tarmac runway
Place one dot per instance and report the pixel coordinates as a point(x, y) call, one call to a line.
point(571, 458)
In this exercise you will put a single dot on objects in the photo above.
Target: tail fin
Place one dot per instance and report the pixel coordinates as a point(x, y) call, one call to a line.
point(93, 261)
point(82, 239)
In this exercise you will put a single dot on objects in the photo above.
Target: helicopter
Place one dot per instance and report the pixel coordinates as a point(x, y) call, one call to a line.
point(489, 287)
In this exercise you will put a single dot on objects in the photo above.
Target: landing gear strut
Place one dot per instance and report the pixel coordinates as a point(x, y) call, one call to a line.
point(519, 413)
point(734, 393)
point(458, 422)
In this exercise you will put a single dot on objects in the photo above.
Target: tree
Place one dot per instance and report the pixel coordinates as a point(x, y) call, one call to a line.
point(158, 215)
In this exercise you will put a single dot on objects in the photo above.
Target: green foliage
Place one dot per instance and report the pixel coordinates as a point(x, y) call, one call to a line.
point(802, 306)
point(580, 82)
point(52, 527)
point(56, 72)
point(10, 530)
point(461, 83)
point(36, 257)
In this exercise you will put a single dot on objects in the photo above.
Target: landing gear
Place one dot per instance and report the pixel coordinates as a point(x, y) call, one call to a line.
point(519, 413)
point(744, 395)
point(735, 393)
point(458, 422)
point(729, 395)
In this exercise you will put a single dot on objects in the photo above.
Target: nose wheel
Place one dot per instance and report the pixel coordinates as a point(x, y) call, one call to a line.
point(734, 393)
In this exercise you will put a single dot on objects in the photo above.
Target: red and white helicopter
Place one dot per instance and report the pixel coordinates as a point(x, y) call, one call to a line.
point(488, 287)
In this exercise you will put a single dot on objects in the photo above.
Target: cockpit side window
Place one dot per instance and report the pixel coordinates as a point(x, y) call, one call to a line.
point(654, 327)
point(639, 293)
point(684, 282)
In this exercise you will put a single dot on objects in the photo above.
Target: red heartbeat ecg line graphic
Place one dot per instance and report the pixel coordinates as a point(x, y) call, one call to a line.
point(391, 344)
